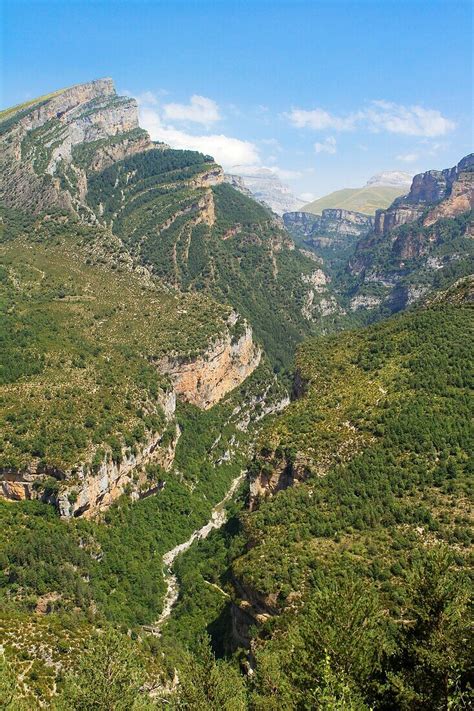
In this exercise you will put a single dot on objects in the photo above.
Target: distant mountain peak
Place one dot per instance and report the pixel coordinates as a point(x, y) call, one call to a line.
point(393, 178)
point(266, 187)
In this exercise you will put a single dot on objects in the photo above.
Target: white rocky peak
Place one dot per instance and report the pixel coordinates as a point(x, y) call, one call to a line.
point(394, 178)
point(266, 187)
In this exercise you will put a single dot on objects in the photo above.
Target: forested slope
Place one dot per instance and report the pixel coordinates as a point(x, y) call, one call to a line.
point(362, 569)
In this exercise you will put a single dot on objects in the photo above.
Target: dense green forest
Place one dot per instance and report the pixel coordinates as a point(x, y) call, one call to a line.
point(369, 564)
point(240, 255)
point(358, 580)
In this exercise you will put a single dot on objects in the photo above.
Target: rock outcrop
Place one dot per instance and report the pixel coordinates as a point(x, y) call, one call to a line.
point(410, 243)
point(90, 487)
point(205, 380)
point(276, 474)
point(453, 187)
point(332, 222)
point(43, 144)
point(265, 186)
point(202, 380)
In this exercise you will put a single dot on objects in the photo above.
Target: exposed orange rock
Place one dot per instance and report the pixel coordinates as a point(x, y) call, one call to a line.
point(205, 380)
point(459, 201)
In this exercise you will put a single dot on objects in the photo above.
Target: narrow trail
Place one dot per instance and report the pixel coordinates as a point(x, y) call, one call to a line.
point(218, 518)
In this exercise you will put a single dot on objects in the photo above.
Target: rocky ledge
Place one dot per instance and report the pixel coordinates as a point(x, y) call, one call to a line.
point(91, 486)
point(39, 164)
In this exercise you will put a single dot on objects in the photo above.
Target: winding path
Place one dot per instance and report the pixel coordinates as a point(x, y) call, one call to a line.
point(218, 518)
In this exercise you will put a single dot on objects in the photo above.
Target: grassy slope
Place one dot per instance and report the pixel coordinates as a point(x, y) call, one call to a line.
point(366, 200)
point(75, 354)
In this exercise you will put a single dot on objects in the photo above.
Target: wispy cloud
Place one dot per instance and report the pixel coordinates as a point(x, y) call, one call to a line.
point(319, 120)
point(327, 146)
point(200, 110)
point(408, 120)
point(408, 157)
point(378, 116)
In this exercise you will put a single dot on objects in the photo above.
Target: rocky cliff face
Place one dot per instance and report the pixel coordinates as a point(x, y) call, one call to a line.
point(414, 240)
point(207, 379)
point(276, 474)
point(265, 186)
point(92, 487)
point(202, 380)
point(332, 222)
point(41, 144)
point(453, 186)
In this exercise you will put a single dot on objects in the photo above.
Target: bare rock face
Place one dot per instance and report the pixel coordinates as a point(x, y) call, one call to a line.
point(276, 475)
point(38, 165)
point(318, 299)
point(460, 200)
point(452, 188)
point(205, 380)
point(265, 186)
point(332, 222)
point(395, 263)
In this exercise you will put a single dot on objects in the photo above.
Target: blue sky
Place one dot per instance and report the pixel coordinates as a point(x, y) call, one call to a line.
point(326, 93)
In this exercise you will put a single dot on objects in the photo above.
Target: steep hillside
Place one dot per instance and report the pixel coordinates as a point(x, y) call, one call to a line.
point(366, 200)
point(331, 236)
point(132, 385)
point(81, 149)
point(173, 211)
point(355, 554)
point(92, 359)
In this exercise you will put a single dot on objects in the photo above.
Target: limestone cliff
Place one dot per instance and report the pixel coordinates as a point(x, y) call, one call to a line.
point(204, 380)
point(332, 222)
point(452, 188)
point(92, 487)
point(417, 237)
point(43, 144)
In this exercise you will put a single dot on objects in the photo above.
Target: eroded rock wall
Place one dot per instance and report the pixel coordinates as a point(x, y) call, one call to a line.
point(205, 380)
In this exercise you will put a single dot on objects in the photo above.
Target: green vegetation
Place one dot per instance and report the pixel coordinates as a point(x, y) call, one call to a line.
point(109, 571)
point(414, 259)
point(384, 536)
point(366, 200)
point(77, 363)
point(353, 585)
point(156, 200)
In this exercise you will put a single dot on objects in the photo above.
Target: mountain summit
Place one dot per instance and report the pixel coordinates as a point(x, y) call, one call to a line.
point(266, 187)
point(395, 178)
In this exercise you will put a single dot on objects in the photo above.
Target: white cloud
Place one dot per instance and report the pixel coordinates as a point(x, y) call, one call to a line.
point(199, 110)
point(327, 146)
point(407, 120)
point(319, 119)
point(408, 157)
point(226, 150)
point(378, 116)
point(307, 197)
point(285, 174)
